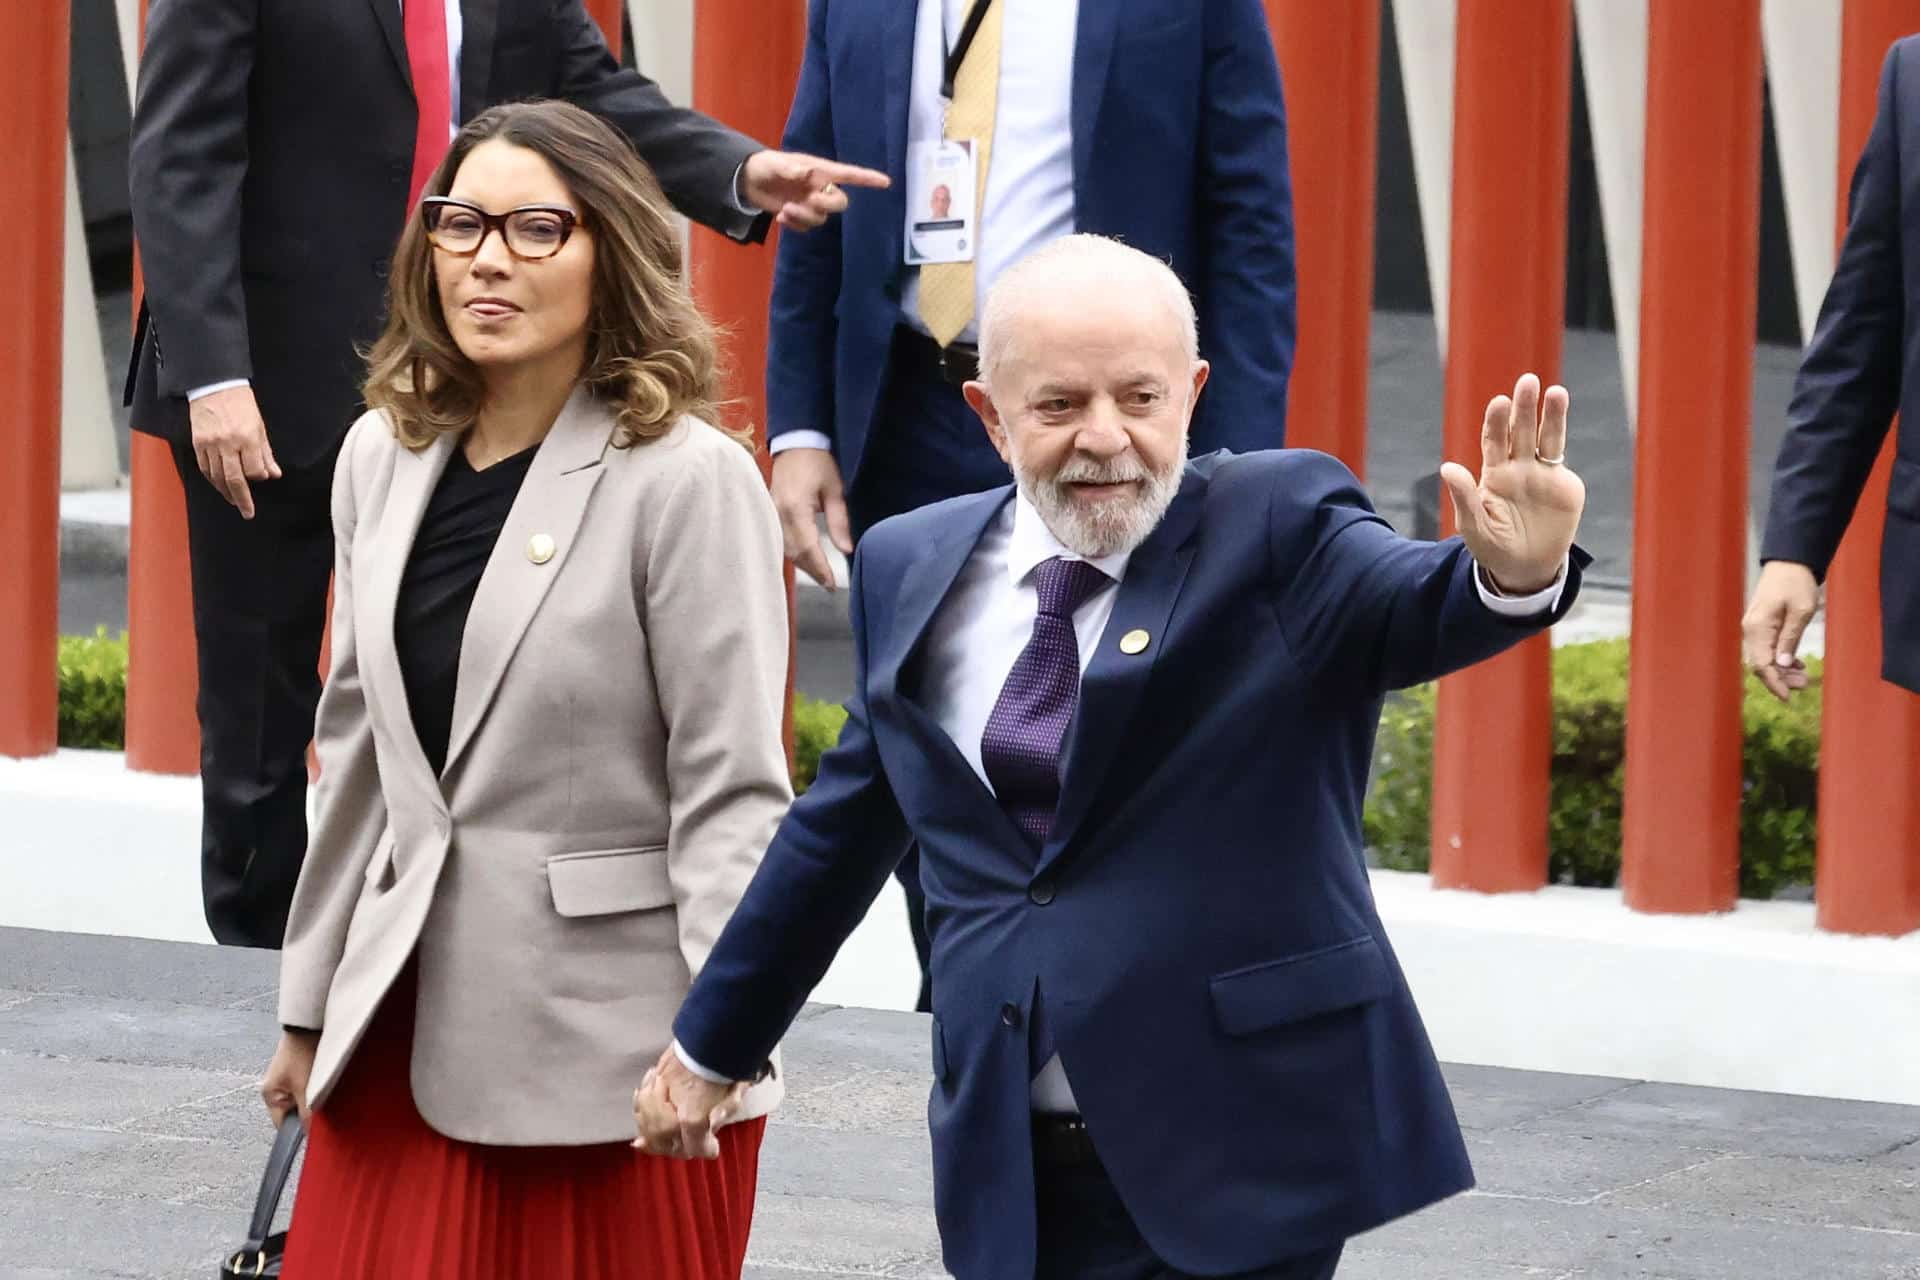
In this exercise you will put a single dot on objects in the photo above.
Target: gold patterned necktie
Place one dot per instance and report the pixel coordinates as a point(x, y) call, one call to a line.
point(947, 288)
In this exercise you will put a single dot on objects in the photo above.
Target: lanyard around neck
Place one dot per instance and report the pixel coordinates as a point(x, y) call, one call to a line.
point(953, 57)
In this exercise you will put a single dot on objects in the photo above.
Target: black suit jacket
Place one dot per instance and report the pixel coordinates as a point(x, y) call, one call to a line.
point(272, 147)
point(1862, 364)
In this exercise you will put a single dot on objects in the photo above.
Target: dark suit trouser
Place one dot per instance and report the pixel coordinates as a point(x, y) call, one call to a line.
point(259, 609)
point(1087, 1234)
point(926, 445)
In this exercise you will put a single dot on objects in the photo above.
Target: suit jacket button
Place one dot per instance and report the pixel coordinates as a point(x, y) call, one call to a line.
point(1010, 1016)
point(1041, 893)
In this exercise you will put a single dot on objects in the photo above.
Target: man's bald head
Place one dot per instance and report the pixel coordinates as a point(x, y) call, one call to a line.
point(1083, 271)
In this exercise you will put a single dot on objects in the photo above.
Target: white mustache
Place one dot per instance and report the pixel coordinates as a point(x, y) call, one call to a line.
point(1115, 472)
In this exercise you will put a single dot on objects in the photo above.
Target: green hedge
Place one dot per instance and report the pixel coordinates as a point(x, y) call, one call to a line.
point(93, 704)
point(1589, 731)
point(93, 690)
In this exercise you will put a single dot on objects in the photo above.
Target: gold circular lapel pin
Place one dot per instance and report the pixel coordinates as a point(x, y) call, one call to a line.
point(1134, 642)
point(540, 548)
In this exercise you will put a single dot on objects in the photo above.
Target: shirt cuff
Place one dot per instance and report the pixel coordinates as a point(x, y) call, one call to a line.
point(799, 440)
point(738, 192)
point(712, 1077)
point(212, 387)
point(1540, 602)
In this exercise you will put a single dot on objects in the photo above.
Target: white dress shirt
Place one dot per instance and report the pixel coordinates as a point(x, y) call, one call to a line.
point(1028, 199)
point(978, 632)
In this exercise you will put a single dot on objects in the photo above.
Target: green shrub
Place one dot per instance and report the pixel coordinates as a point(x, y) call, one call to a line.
point(93, 705)
point(93, 690)
point(1781, 756)
point(816, 727)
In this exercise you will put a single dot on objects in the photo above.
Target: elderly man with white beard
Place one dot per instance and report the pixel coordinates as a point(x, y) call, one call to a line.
point(1126, 706)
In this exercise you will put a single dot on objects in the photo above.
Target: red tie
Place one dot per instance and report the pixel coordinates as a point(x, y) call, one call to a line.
point(426, 22)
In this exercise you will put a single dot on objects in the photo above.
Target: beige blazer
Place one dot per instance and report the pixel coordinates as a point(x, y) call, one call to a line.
point(614, 774)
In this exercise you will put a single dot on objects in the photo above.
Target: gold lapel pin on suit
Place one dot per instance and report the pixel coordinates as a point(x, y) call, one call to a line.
point(540, 548)
point(1133, 642)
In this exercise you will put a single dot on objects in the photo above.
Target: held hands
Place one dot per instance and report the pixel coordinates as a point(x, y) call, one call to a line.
point(1784, 601)
point(1520, 518)
point(285, 1088)
point(230, 443)
point(800, 190)
point(676, 1112)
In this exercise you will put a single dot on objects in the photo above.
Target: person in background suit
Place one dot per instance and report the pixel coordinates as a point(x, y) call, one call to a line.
point(550, 741)
point(278, 147)
point(1157, 122)
point(1126, 706)
point(1862, 365)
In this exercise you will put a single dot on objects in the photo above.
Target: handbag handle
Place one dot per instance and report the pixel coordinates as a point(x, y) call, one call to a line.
point(286, 1145)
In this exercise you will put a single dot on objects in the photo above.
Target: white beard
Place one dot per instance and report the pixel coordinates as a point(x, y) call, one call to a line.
point(1100, 529)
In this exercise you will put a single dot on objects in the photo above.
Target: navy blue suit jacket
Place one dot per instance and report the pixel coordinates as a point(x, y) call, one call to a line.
point(1179, 149)
point(1200, 925)
point(1862, 364)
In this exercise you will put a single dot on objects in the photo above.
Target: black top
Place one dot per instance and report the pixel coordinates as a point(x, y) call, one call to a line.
point(462, 522)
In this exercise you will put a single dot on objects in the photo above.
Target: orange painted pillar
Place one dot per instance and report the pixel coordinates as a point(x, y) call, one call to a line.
point(1493, 732)
point(1680, 837)
point(607, 14)
point(163, 730)
point(1330, 68)
point(1867, 878)
point(33, 184)
point(746, 58)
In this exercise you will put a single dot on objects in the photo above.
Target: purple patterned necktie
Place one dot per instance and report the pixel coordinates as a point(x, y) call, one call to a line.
point(1021, 746)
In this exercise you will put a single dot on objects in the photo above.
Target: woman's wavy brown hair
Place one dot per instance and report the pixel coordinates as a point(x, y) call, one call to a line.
point(651, 354)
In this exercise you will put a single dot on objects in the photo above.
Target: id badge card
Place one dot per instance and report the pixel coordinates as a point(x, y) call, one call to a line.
point(940, 203)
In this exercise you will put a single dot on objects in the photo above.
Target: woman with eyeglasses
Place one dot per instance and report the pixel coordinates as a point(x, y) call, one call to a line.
point(549, 743)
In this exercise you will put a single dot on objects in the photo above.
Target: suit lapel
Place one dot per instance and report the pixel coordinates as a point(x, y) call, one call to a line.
point(415, 475)
point(1114, 681)
point(478, 18)
point(897, 44)
point(928, 580)
point(388, 14)
point(1092, 54)
point(551, 502)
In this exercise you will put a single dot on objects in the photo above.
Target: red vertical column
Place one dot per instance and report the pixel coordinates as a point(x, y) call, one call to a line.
point(1680, 839)
point(1868, 873)
point(163, 731)
point(1330, 67)
point(33, 184)
point(746, 58)
point(607, 14)
point(1506, 315)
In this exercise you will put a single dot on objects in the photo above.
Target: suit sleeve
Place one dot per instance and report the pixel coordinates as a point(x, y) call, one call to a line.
point(1362, 607)
point(803, 331)
point(187, 162)
point(716, 620)
point(828, 863)
point(1849, 381)
point(1244, 290)
point(350, 809)
point(695, 157)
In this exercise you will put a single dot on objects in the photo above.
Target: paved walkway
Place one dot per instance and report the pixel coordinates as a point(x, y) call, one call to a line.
point(131, 1137)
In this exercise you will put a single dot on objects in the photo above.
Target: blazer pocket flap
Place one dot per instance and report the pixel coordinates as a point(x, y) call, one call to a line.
point(1299, 987)
point(604, 882)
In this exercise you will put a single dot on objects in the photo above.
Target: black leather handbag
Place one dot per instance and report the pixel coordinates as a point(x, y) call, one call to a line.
point(260, 1255)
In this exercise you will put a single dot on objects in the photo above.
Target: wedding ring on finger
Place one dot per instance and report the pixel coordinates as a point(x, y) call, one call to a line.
point(1546, 461)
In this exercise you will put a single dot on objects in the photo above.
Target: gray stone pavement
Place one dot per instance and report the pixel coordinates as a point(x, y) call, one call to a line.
point(131, 1139)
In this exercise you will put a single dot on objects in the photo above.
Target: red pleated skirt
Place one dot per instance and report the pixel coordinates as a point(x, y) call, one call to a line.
point(384, 1196)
